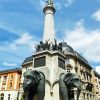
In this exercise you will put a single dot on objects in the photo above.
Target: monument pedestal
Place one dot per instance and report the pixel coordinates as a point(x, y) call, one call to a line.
point(52, 72)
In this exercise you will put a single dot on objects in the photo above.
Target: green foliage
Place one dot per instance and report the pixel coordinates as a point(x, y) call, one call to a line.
point(22, 97)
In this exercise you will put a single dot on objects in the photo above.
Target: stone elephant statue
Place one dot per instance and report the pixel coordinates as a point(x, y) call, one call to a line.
point(34, 83)
point(68, 82)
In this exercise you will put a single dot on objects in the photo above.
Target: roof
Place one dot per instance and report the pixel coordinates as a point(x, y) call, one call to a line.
point(82, 59)
point(10, 70)
point(97, 74)
point(28, 59)
point(68, 49)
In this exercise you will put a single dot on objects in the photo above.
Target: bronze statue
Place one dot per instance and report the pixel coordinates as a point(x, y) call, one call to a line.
point(60, 47)
point(50, 2)
point(34, 83)
point(68, 82)
point(49, 46)
point(55, 46)
point(62, 88)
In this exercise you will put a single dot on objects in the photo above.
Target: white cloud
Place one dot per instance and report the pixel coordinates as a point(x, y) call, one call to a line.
point(13, 46)
point(24, 39)
point(68, 2)
point(97, 69)
point(9, 28)
point(58, 5)
point(9, 64)
point(42, 3)
point(84, 41)
point(98, 0)
point(80, 23)
point(96, 15)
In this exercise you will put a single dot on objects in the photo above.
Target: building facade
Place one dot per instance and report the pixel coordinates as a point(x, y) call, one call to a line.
point(10, 81)
point(97, 84)
point(71, 62)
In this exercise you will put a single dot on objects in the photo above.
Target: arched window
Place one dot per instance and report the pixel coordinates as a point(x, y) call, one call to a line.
point(2, 96)
point(8, 96)
point(69, 68)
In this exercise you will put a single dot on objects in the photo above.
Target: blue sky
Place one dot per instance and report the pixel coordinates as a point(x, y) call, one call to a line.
point(22, 21)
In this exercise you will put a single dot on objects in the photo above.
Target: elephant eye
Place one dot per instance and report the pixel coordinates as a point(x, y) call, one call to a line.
point(76, 79)
point(27, 76)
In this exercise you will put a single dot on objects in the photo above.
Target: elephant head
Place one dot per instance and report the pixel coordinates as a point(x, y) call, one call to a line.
point(34, 83)
point(70, 81)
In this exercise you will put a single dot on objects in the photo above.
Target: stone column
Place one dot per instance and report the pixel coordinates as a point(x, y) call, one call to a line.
point(81, 97)
point(75, 94)
point(85, 76)
point(89, 96)
point(49, 31)
point(84, 96)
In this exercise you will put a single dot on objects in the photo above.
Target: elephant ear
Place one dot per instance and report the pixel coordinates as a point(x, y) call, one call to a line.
point(67, 79)
point(24, 74)
point(37, 76)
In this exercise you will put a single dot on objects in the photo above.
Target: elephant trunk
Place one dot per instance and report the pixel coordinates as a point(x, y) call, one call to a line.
point(41, 88)
point(26, 95)
point(62, 88)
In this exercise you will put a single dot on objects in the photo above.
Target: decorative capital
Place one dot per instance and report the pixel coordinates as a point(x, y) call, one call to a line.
point(51, 7)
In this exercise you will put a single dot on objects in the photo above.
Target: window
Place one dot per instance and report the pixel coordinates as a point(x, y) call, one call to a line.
point(3, 85)
point(20, 77)
point(84, 76)
point(19, 85)
point(87, 77)
point(76, 69)
point(11, 77)
point(96, 92)
point(83, 96)
point(2, 96)
point(38, 62)
point(10, 85)
point(8, 96)
point(61, 63)
point(4, 78)
point(68, 70)
point(67, 61)
point(18, 96)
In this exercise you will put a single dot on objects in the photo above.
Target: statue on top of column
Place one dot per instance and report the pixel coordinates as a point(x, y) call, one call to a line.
point(50, 2)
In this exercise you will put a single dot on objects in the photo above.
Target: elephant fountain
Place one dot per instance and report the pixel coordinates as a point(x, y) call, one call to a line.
point(68, 82)
point(34, 83)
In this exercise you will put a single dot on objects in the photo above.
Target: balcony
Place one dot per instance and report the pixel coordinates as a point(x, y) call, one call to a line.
point(2, 88)
point(4, 81)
